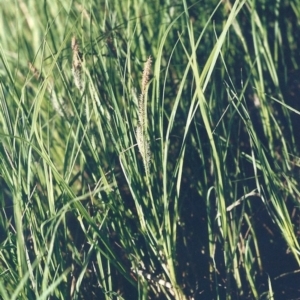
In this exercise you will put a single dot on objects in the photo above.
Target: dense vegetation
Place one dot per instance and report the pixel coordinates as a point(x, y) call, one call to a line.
point(149, 149)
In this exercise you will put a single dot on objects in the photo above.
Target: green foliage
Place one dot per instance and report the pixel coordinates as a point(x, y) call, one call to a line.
point(148, 149)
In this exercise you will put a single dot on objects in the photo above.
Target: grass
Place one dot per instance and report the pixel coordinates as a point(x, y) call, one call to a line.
point(149, 149)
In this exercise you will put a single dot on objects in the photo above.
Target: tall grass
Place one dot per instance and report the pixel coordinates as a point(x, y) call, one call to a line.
point(148, 149)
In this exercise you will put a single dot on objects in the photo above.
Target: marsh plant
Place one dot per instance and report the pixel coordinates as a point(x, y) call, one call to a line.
point(149, 150)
